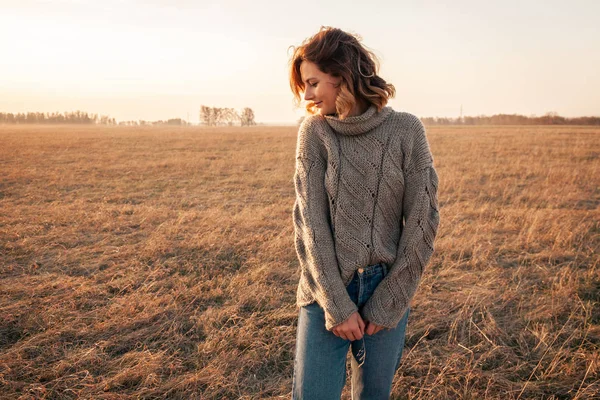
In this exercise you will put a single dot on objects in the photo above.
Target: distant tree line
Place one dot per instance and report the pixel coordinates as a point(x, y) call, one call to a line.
point(74, 117)
point(141, 122)
point(79, 117)
point(215, 116)
point(550, 118)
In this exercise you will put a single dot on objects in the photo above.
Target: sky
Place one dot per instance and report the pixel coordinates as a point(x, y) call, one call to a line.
point(163, 59)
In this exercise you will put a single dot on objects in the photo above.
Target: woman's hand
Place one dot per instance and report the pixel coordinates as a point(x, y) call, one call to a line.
point(351, 329)
point(354, 328)
point(373, 328)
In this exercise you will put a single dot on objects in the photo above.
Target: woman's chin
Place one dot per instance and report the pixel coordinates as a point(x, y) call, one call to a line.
point(322, 111)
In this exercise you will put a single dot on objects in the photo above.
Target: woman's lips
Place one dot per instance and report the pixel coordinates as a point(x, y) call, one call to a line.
point(318, 104)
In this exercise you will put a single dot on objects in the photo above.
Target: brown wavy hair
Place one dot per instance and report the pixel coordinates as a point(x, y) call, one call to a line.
point(341, 54)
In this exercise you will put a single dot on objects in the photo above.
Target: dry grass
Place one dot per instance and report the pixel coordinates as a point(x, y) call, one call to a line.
point(159, 262)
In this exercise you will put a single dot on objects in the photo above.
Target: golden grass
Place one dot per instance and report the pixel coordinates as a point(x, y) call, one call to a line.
point(145, 262)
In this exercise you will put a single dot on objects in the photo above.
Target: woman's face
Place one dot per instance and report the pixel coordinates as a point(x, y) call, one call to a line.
point(320, 88)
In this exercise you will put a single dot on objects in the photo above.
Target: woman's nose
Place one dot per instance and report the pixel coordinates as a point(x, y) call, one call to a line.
point(308, 95)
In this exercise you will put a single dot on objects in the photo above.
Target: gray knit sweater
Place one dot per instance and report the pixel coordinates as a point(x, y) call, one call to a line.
point(366, 193)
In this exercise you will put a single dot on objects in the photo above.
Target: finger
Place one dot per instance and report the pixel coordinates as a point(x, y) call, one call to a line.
point(361, 325)
point(350, 335)
point(343, 334)
point(369, 328)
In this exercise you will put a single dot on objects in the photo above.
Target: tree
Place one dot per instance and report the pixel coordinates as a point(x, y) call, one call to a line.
point(247, 117)
point(206, 115)
point(230, 116)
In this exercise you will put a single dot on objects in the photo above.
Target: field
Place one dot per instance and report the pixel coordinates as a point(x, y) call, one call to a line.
point(159, 263)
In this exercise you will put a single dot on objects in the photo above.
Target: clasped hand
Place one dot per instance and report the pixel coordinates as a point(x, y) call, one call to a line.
point(354, 327)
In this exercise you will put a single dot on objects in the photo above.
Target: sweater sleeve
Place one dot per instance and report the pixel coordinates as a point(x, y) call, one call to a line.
point(392, 296)
point(313, 236)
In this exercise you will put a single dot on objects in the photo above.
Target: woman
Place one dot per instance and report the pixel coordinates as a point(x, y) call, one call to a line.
point(365, 219)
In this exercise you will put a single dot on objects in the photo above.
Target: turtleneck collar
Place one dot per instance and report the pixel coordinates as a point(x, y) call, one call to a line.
point(359, 124)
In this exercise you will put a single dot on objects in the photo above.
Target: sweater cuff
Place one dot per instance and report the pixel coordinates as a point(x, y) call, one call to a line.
point(338, 311)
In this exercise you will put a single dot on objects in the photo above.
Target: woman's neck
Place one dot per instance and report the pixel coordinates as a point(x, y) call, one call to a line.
point(359, 108)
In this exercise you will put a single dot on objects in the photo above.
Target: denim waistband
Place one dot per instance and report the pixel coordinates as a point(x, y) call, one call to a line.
point(373, 269)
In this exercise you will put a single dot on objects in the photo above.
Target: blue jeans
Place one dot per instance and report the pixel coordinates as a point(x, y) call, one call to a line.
point(320, 359)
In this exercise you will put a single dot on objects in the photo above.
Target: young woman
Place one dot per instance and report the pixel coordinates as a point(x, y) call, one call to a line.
point(365, 219)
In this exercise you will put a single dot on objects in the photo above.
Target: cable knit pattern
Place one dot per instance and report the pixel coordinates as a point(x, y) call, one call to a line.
point(366, 193)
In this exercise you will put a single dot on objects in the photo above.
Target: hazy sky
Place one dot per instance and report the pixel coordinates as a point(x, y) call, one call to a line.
point(164, 58)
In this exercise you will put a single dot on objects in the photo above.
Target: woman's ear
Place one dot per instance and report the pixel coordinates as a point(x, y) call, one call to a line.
point(338, 83)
